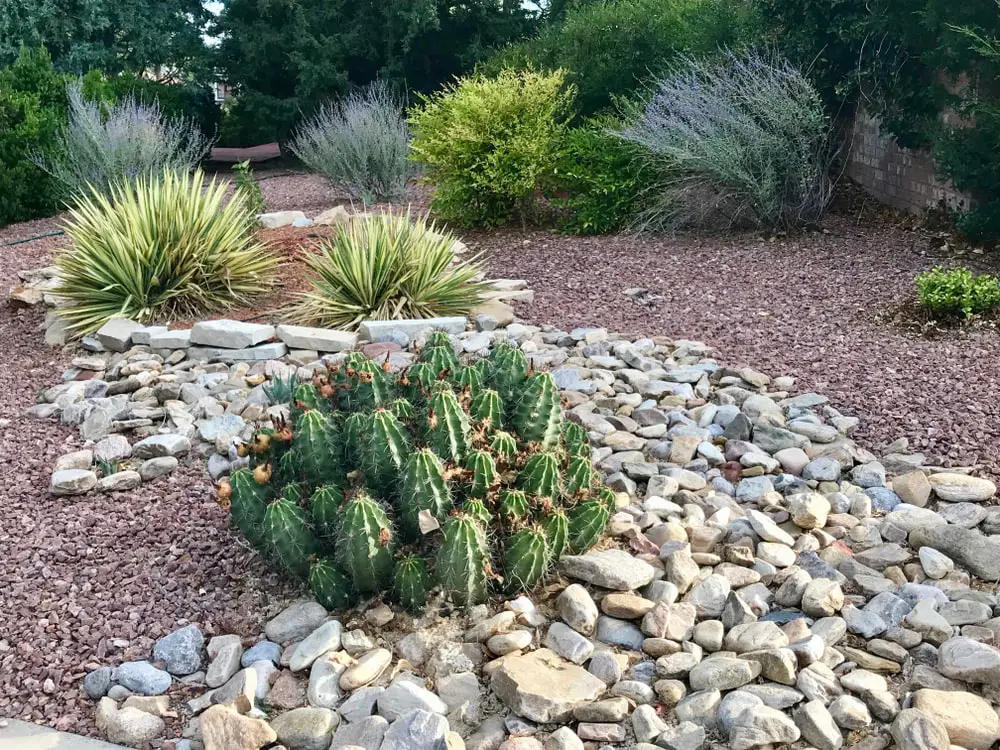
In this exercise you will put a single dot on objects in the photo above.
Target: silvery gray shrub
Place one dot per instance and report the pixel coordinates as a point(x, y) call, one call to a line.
point(104, 144)
point(359, 143)
point(741, 141)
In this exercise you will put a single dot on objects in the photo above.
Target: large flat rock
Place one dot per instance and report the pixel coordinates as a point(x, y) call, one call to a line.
point(230, 334)
point(980, 554)
point(609, 569)
point(544, 687)
point(387, 330)
point(318, 339)
point(260, 353)
point(20, 735)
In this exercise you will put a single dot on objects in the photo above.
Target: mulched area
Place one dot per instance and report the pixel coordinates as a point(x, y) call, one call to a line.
point(94, 580)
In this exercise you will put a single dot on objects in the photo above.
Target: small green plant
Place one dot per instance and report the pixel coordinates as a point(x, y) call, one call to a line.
point(384, 267)
point(280, 390)
point(598, 179)
point(158, 249)
point(106, 467)
point(957, 292)
point(359, 143)
point(249, 188)
point(464, 477)
point(490, 143)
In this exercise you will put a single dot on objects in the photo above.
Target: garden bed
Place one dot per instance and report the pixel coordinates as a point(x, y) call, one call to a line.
point(95, 580)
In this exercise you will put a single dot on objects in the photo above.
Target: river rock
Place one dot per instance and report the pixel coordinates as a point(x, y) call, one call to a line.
point(543, 687)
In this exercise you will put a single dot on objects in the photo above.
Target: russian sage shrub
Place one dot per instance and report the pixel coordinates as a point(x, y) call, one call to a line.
point(359, 143)
point(741, 142)
point(108, 144)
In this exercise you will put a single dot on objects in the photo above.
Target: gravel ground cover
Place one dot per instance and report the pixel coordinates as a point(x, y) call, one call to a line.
point(89, 581)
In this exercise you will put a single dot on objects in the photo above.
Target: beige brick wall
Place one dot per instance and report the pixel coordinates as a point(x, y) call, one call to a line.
point(902, 178)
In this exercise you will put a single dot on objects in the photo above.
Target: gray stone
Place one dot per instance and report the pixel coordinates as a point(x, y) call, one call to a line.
point(543, 687)
point(259, 353)
point(818, 727)
point(67, 482)
point(112, 448)
point(386, 330)
point(157, 446)
point(915, 730)
point(958, 488)
point(295, 622)
point(610, 569)
point(366, 733)
point(230, 334)
point(402, 697)
point(116, 334)
point(305, 728)
point(758, 726)
point(225, 652)
point(568, 643)
point(324, 681)
point(143, 334)
point(324, 638)
point(170, 339)
point(142, 678)
point(276, 219)
point(260, 651)
point(577, 609)
point(723, 673)
point(980, 554)
point(181, 650)
point(154, 468)
point(318, 339)
point(97, 682)
point(418, 730)
point(970, 661)
point(685, 736)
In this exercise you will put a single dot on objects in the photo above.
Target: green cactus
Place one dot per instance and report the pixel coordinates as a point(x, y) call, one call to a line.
point(288, 534)
point(365, 544)
point(423, 487)
point(527, 560)
point(447, 425)
point(330, 585)
point(325, 503)
point(249, 504)
point(463, 562)
point(473, 466)
point(586, 524)
point(484, 473)
point(539, 413)
point(410, 582)
point(540, 475)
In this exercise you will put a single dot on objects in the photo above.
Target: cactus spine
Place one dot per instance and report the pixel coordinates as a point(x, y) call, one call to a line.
point(287, 533)
point(423, 488)
point(447, 425)
point(249, 504)
point(527, 559)
point(539, 413)
point(331, 587)
point(484, 473)
point(364, 542)
point(326, 502)
point(463, 560)
point(586, 524)
point(409, 584)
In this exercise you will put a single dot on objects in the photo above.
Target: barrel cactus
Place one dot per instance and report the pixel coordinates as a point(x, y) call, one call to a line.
point(459, 476)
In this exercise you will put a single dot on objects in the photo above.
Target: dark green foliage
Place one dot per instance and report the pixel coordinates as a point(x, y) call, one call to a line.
point(32, 111)
point(435, 496)
point(610, 49)
point(285, 57)
point(598, 179)
point(111, 35)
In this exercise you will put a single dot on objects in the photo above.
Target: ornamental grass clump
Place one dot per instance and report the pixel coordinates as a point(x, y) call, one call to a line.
point(102, 145)
point(359, 143)
point(741, 142)
point(463, 477)
point(159, 249)
point(387, 267)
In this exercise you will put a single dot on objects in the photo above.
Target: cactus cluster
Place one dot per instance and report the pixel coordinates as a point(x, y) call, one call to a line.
point(465, 477)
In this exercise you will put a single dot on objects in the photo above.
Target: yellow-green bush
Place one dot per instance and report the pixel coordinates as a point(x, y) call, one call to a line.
point(386, 267)
point(160, 248)
point(957, 292)
point(488, 143)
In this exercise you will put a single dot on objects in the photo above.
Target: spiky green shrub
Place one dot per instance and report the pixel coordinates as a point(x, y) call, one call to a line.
point(159, 248)
point(386, 267)
point(459, 476)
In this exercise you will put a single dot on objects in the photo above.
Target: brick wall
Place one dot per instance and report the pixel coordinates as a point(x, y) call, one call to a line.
point(902, 178)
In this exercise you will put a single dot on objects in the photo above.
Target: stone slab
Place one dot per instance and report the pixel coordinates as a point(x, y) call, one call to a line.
point(382, 330)
point(171, 339)
point(20, 735)
point(230, 334)
point(317, 339)
point(253, 354)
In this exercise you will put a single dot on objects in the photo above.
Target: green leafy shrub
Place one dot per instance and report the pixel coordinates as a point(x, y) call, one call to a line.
point(957, 291)
point(386, 267)
point(611, 49)
point(598, 179)
point(32, 110)
point(465, 477)
point(104, 145)
point(159, 248)
point(359, 143)
point(489, 143)
point(744, 141)
point(249, 189)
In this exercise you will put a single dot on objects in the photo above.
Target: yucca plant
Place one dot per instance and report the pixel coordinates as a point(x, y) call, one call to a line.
point(463, 477)
point(159, 248)
point(386, 267)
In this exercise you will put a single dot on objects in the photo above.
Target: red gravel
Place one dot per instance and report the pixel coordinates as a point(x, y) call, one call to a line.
point(805, 306)
point(78, 573)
